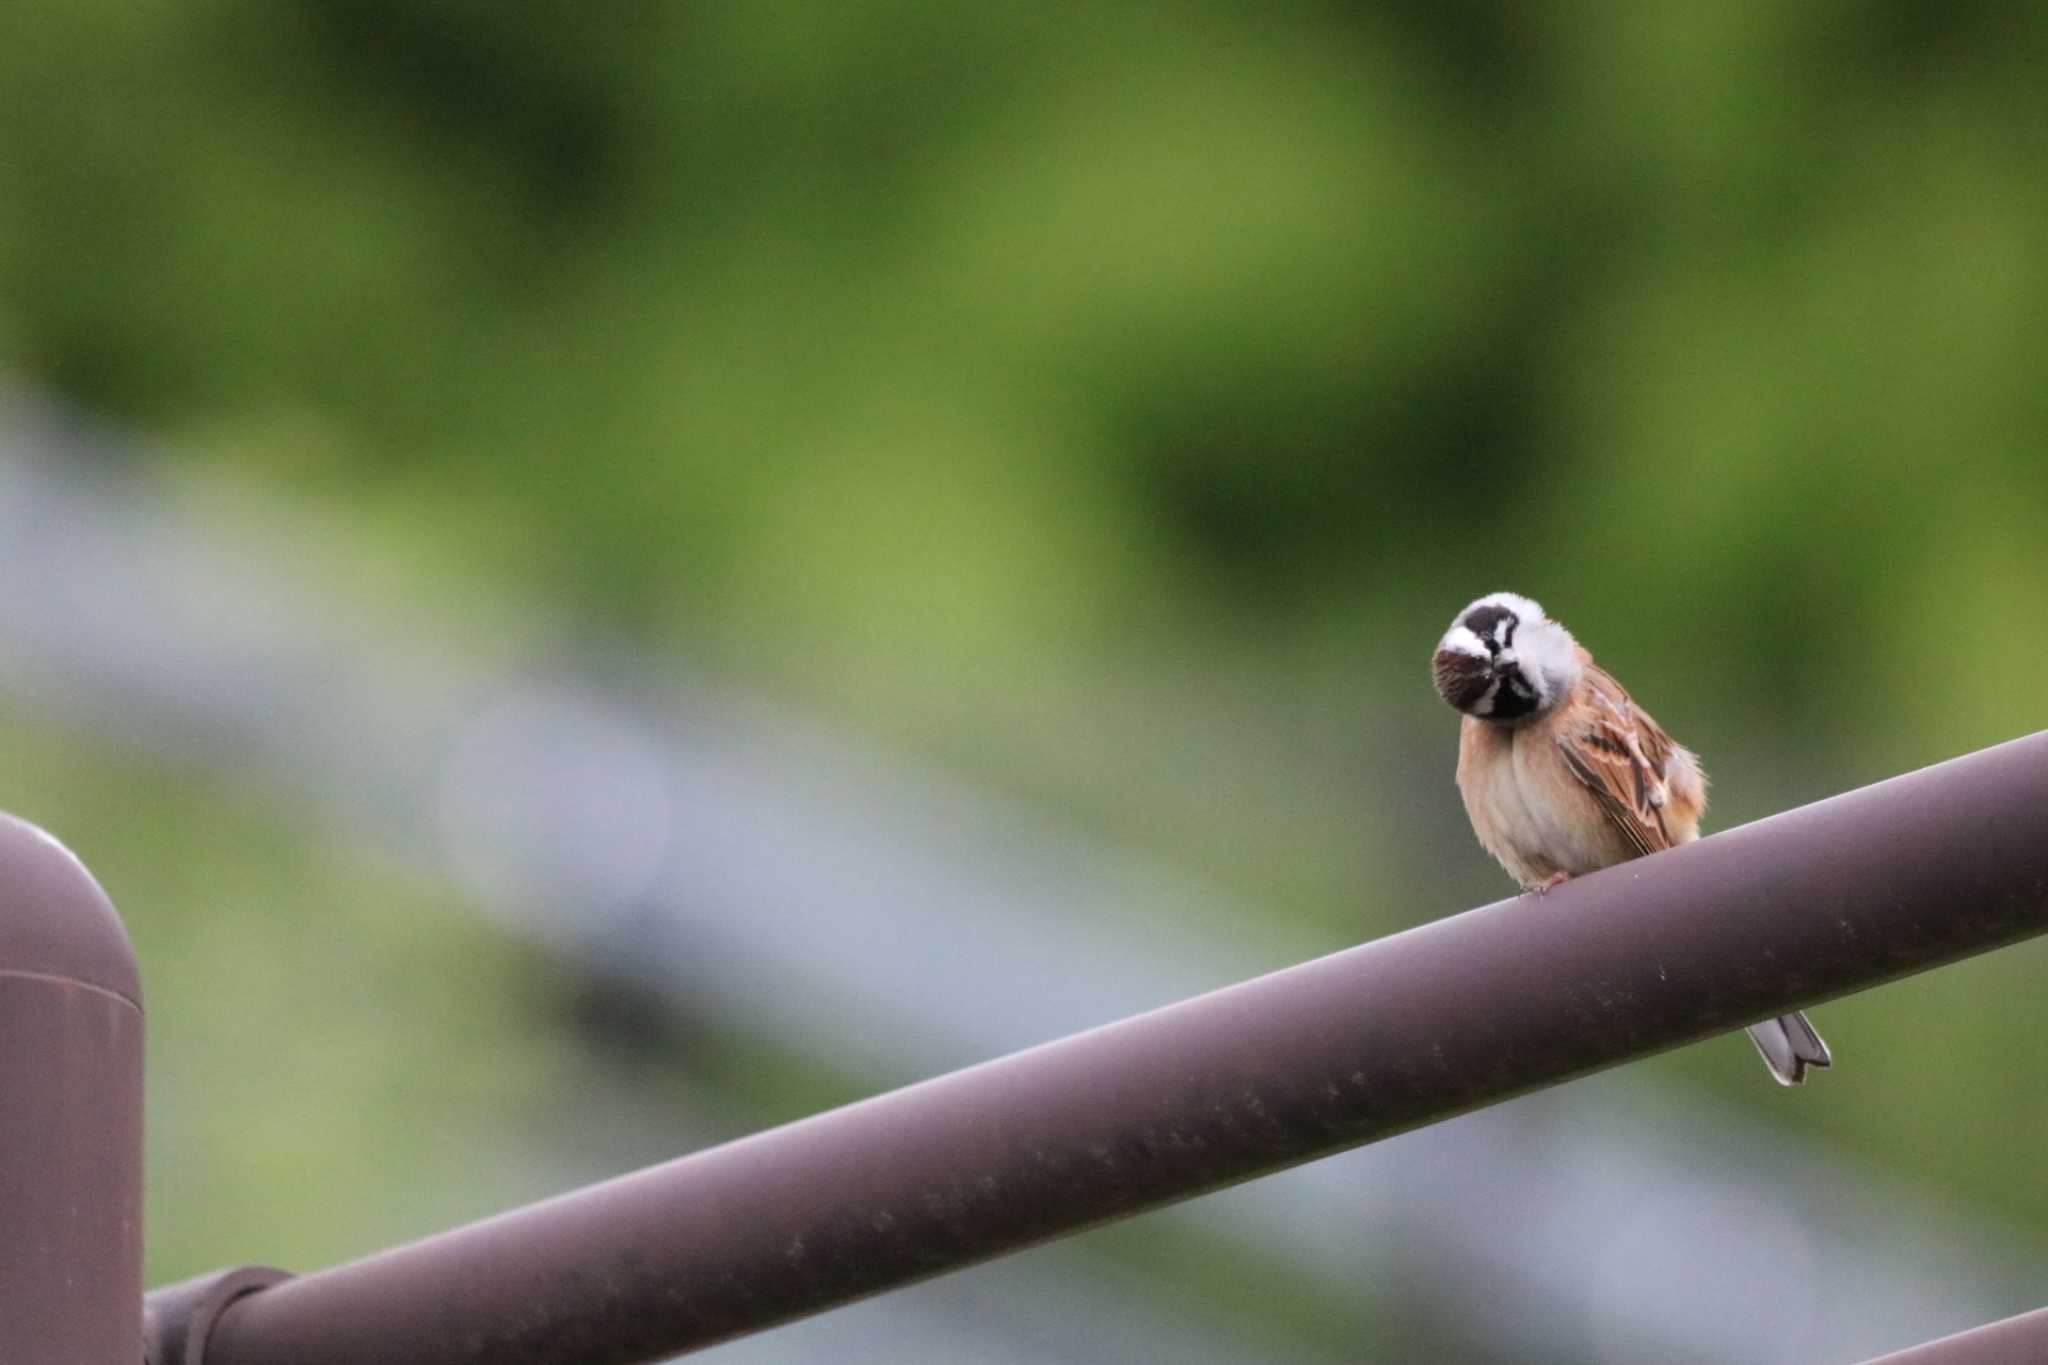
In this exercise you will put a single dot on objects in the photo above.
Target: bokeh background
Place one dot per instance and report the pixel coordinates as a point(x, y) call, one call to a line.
point(593, 577)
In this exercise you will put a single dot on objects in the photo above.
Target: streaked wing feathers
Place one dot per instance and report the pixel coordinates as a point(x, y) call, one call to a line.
point(1620, 755)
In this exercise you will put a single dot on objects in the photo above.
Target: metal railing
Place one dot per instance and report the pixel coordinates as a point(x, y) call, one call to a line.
point(2014, 1341)
point(1824, 900)
point(1830, 898)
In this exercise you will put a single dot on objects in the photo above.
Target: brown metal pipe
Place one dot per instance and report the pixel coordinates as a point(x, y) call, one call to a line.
point(1827, 899)
point(2012, 1341)
point(70, 1113)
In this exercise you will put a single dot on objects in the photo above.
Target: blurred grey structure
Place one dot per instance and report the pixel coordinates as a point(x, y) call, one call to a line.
point(807, 889)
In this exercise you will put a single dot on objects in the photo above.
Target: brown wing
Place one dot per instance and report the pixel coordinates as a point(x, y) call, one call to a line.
point(1620, 754)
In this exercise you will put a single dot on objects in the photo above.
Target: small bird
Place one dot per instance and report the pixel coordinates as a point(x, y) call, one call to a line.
point(1563, 774)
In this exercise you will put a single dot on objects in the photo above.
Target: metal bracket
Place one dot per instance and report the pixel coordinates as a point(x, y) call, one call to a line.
point(178, 1318)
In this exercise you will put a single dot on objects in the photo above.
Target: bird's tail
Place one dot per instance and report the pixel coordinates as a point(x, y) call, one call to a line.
point(1789, 1046)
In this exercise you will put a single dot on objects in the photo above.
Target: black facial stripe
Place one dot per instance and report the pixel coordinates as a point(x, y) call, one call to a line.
point(1515, 699)
point(1485, 620)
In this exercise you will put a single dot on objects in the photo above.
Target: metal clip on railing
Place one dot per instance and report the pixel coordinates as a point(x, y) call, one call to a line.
point(177, 1319)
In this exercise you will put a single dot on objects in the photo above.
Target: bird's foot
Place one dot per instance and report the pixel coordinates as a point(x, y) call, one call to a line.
point(1555, 879)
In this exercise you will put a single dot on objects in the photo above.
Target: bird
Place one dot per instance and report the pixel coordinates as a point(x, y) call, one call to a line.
point(1563, 774)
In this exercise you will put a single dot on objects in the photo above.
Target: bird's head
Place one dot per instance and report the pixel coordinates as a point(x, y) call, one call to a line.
point(1504, 661)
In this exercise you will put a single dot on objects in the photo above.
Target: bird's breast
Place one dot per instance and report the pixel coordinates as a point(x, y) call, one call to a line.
point(1527, 809)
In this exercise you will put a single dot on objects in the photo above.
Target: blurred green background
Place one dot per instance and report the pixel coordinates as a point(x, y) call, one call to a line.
point(1109, 407)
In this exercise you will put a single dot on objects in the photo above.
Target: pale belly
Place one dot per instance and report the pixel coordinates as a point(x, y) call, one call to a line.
point(1533, 817)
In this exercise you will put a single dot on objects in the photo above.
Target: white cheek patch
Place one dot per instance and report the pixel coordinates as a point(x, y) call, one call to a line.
point(1484, 706)
point(1461, 640)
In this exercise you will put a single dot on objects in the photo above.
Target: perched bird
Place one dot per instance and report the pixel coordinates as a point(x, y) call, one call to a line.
point(1563, 774)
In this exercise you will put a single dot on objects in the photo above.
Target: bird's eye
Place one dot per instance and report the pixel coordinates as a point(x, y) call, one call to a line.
point(1492, 626)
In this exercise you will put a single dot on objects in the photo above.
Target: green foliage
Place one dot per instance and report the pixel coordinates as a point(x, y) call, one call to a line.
point(925, 341)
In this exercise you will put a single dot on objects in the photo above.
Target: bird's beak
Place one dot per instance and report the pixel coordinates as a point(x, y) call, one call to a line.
point(1504, 661)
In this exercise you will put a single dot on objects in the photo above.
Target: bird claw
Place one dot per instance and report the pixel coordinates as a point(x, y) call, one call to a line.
point(1555, 879)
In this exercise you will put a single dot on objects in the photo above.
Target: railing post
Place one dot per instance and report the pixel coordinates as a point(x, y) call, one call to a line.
point(70, 1113)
